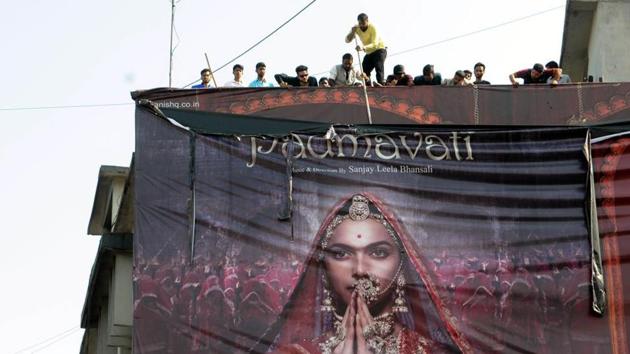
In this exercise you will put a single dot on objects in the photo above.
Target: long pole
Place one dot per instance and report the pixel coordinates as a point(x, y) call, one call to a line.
point(211, 73)
point(170, 66)
point(367, 101)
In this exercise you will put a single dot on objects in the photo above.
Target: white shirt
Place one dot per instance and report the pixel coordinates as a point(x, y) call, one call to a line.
point(338, 73)
point(233, 83)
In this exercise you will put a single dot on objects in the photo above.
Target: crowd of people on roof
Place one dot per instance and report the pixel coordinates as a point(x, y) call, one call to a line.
point(224, 304)
point(347, 74)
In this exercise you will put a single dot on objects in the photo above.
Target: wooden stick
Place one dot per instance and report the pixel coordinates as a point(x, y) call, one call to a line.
point(367, 101)
point(211, 73)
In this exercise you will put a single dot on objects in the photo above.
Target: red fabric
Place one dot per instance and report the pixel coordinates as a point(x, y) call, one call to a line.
point(215, 314)
point(150, 320)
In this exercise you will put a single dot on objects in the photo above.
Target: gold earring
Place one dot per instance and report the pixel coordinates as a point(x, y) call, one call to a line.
point(327, 303)
point(400, 305)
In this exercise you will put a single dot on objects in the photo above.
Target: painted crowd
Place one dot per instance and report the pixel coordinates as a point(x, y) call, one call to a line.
point(531, 296)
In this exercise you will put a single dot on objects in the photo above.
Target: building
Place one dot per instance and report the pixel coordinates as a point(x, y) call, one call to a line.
point(595, 41)
point(594, 44)
point(107, 312)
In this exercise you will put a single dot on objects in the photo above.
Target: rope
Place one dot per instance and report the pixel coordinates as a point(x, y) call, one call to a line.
point(476, 102)
point(581, 117)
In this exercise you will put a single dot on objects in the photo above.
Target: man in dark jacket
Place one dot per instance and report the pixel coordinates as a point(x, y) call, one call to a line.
point(429, 77)
point(400, 78)
point(302, 78)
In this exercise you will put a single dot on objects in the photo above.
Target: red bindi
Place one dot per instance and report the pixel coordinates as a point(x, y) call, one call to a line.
point(358, 235)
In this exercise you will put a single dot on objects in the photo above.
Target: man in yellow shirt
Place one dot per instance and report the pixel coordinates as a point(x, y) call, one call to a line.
point(373, 45)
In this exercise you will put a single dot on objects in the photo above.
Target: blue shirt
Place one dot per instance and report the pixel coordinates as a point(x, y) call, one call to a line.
point(258, 83)
point(201, 86)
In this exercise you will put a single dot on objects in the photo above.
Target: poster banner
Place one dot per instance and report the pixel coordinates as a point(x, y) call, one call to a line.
point(568, 104)
point(405, 241)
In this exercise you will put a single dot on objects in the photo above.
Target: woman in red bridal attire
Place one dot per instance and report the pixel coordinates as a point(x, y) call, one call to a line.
point(364, 289)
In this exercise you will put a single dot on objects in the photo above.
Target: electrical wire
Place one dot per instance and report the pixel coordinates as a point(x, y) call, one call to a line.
point(267, 36)
point(65, 107)
point(55, 341)
point(56, 338)
point(259, 42)
point(467, 34)
point(477, 31)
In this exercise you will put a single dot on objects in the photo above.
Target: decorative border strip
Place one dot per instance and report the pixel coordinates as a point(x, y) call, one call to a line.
point(601, 110)
point(285, 98)
point(613, 275)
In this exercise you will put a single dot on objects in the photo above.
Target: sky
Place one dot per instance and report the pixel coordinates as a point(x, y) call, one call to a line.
point(71, 53)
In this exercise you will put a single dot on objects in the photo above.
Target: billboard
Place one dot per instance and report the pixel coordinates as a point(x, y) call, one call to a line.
point(399, 239)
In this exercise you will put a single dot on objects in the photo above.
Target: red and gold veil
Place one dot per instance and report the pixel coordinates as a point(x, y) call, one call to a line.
point(302, 320)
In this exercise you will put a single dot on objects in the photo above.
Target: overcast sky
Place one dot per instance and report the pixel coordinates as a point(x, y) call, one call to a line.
point(65, 53)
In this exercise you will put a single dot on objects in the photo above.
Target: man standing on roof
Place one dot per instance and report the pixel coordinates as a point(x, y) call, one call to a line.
point(373, 45)
point(302, 79)
point(344, 74)
point(428, 77)
point(536, 75)
point(468, 77)
point(237, 71)
point(564, 78)
point(459, 79)
point(324, 82)
point(261, 81)
point(480, 69)
point(400, 78)
point(206, 75)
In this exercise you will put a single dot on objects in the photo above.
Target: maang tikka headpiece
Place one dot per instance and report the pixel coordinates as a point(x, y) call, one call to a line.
point(360, 209)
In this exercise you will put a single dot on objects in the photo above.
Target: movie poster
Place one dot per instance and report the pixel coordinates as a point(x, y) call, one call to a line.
point(407, 240)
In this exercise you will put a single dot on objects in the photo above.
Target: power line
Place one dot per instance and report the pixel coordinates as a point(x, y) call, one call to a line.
point(477, 31)
point(66, 107)
point(55, 341)
point(260, 41)
point(54, 338)
point(267, 36)
point(468, 34)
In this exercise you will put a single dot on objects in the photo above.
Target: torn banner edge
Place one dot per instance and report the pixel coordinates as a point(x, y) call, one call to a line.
point(597, 273)
point(192, 171)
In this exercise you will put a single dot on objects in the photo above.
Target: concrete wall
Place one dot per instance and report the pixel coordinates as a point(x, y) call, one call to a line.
point(577, 32)
point(91, 341)
point(102, 346)
point(121, 294)
point(120, 314)
point(609, 45)
point(114, 329)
